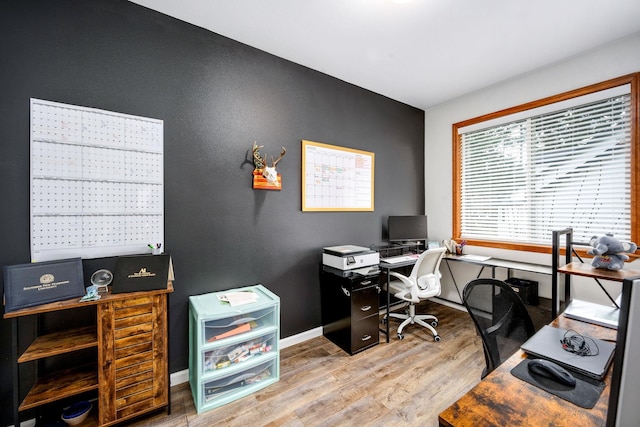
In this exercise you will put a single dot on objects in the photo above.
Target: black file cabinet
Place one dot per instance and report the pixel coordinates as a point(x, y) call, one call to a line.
point(350, 309)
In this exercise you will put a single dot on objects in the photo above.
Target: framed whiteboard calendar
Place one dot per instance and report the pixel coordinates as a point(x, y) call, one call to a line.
point(97, 182)
point(336, 178)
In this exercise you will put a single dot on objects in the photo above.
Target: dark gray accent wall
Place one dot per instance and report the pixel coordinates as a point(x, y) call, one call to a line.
point(216, 96)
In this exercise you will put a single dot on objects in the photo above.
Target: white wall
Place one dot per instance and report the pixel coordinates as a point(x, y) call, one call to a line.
point(613, 60)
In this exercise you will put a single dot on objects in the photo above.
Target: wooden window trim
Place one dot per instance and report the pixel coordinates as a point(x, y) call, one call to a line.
point(632, 79)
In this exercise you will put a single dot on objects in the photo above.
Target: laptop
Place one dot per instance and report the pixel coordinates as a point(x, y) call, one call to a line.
point(547, 344)
point(593, 313)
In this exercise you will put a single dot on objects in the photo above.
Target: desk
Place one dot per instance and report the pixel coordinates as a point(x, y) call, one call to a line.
point(501, 399)
point(387, 267)
point(494, 263)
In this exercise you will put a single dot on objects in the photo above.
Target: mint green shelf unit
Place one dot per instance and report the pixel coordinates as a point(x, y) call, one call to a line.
point(233, 351)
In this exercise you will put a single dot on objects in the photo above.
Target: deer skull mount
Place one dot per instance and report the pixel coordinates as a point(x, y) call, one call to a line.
point(268, 172)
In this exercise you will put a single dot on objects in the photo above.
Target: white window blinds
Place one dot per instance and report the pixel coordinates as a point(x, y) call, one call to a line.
point(550, 169)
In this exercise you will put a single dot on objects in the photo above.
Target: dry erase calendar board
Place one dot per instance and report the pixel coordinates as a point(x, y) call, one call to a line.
point(336, 178)
point(96, 182)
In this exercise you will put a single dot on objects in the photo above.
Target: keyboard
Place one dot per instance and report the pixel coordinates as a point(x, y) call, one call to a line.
point(470, 257)
point(401, 258)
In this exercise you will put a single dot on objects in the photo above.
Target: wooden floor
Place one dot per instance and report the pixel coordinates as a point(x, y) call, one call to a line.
point(402, 383)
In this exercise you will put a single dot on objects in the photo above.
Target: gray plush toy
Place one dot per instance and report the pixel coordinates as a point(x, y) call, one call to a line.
point(610, 252)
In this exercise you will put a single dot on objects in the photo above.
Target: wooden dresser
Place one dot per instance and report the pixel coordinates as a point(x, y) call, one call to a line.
point(130, 374)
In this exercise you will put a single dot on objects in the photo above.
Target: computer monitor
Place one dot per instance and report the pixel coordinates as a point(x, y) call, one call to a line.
point(623, 398)
point(409, 228)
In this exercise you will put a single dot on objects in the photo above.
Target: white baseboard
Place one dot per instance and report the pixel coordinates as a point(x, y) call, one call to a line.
point(182, 377)
point(179, 377)
point(301, 337)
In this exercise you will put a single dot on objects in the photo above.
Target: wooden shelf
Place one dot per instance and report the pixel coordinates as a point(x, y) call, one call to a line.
point(140, 316)
point(75, 303)
point(61, 384)
point(60, 343)
point(586, 270)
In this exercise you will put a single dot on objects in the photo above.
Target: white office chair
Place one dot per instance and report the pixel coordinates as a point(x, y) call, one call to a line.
point(422, 283)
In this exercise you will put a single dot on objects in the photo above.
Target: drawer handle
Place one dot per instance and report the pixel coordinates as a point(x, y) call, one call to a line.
point(366, 338)
point(345, 291)
point(365, 308)
point(365, 283)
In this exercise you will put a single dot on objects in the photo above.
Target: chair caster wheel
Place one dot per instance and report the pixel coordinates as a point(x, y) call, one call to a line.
point(434, 323)
point(437, 338)
point(400, 337)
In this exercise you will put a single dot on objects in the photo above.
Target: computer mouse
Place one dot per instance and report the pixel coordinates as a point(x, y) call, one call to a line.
point(549, 369)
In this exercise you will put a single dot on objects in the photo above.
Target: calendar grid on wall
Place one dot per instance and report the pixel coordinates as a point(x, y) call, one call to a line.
point(97, 182)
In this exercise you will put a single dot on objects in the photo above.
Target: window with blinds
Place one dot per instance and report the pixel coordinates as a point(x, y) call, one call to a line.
point(561, 164)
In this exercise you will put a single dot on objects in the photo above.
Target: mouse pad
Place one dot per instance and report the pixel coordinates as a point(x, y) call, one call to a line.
point(584, 394)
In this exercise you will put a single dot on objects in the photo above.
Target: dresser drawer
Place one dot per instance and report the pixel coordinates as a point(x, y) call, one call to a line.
point(226, 327)
point(239, 382)
point(227, 354)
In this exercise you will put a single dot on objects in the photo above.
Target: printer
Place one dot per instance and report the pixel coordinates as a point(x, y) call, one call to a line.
point(349, 257)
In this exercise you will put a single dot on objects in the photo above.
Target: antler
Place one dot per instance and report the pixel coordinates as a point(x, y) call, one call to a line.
point(282, 153)
point(258, 161)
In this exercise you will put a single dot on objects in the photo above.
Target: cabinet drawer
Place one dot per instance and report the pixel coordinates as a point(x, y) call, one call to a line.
point(223, 356)
point(214, 330)
point(364, 303)
point(239, 383)
point(363, 282)
point(364, 333)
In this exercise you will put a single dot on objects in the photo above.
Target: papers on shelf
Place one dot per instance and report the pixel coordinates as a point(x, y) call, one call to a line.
point(367, 271)
point(238, 298)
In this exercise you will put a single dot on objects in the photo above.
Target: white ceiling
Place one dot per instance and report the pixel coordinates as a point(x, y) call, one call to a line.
point(422, 52)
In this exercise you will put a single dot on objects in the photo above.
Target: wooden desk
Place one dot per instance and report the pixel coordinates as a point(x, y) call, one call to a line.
point(504, 400)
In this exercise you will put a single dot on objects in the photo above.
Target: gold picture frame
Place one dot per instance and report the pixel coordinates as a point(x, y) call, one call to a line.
point(336, 178)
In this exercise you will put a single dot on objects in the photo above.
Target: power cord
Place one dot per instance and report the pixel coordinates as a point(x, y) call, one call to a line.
point(578, 344)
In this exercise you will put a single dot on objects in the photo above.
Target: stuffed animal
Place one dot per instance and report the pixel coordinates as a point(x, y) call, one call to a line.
point(609, 262)
point(610, 252)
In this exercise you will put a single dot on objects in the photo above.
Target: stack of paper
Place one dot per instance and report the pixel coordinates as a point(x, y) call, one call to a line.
point(238, 298)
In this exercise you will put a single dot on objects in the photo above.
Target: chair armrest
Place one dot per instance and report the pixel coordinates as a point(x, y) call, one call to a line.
point(404, 279)
point(410, 287)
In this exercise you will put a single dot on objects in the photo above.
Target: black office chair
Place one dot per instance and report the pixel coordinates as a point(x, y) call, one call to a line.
point(501, 319)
